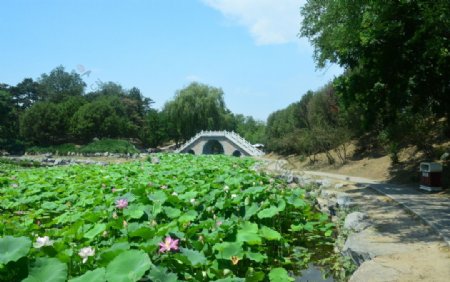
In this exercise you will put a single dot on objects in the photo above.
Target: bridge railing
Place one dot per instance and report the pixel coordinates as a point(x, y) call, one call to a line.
point(230, 134)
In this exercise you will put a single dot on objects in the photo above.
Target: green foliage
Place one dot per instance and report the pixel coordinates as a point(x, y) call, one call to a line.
point(13, 248)
point(97, 275)
point(43, 124)
point(310, 126)
point(129, 266)
point(104, 117)
point(231, 222)
point(154, 131)
point(279, 275)
point(395, 53)
point(9, 122)
point(250, 129)
point(59, 85)
point(194, 108)
point(47, 269)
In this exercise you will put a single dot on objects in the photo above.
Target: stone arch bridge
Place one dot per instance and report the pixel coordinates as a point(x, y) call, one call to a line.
point(219, 142)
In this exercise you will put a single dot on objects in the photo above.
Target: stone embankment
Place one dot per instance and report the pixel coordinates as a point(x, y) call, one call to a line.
point(385, 241)
point(72, 159)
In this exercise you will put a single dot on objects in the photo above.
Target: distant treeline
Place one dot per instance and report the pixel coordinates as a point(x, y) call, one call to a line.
point(57, 109)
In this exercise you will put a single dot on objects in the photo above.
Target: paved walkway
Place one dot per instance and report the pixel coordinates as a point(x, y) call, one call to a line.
point(433, 209)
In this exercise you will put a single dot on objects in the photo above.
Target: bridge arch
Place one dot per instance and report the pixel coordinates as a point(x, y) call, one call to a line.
point(219, 142)
point(213, 147)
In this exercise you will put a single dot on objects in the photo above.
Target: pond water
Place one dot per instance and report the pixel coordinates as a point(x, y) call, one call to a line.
point(312, 273)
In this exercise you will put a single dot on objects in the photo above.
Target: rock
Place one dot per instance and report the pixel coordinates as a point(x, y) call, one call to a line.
point(356, 221)
point(368, 244)
point(339, 186)
point(155, 160)
point(344, 201)
point(289, 178)
point(327, 194)
point(106, 154)
point(48, 155)
point(374, 271)
point(323, 183)
point(97, 154)
point(358, 248)
point(58, 162)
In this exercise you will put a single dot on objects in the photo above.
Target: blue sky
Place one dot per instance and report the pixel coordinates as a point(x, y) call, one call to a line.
point(249, 48)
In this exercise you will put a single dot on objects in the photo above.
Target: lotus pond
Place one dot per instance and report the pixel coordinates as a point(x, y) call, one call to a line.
point(184, 218)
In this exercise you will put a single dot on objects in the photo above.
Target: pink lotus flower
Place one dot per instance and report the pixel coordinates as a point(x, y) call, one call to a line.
point(85, 253)
point(168, 244)
point(121, 203)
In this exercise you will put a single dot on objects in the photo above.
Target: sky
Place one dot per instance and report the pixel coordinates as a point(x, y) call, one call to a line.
point(248, 48)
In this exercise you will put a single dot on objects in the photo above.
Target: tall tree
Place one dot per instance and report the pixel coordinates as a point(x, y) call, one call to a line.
point(197, 107)
point(43, 124)
point(396, 53)
point(59, 85)
point(25, 93)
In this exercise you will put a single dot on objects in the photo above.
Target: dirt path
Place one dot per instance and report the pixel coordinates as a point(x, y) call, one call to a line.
point(401, 246)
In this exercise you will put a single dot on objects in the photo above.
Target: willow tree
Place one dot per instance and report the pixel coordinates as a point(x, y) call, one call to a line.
point(194, 108)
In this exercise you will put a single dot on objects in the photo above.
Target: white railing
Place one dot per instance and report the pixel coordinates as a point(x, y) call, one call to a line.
point(233, 136)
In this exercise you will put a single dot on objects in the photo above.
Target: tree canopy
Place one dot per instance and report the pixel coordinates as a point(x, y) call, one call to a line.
point(197, 107)
point(396, 54)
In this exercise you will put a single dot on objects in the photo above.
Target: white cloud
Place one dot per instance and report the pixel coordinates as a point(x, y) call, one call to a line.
point(268, 21)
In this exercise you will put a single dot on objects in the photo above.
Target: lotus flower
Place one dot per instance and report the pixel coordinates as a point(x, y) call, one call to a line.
point(168, 244)
point(121, 203)
point(86, 252)
point(43, 241)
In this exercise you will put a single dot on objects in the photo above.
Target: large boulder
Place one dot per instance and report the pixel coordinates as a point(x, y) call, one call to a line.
point(368, 244)
point(356, 221)
point(373, 271)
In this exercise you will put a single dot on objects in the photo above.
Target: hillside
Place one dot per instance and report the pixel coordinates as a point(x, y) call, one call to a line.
point(375, 164)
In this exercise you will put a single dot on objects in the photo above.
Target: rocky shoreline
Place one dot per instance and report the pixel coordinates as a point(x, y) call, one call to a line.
point(385, 242)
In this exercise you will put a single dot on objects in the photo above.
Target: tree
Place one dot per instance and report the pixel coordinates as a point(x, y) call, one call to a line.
point(396, 54)
point(25, 93)
point(249, 128)
point(43, 124)
point(59, 84)
point(8, 116)
point(197, 107)
point(154, 132)
point(103, 117)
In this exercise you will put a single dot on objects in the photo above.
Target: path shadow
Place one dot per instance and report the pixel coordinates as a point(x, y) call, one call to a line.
point(390, 219)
